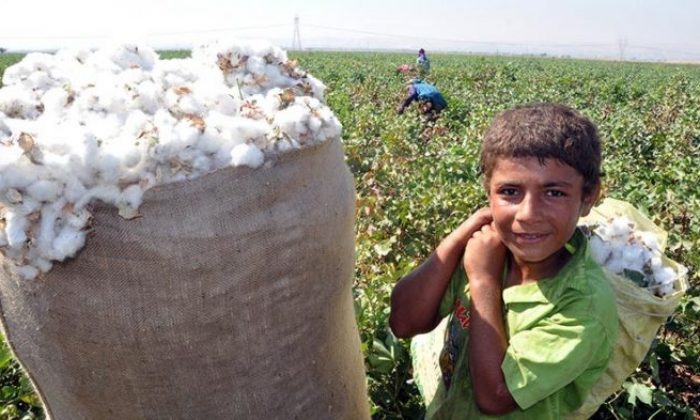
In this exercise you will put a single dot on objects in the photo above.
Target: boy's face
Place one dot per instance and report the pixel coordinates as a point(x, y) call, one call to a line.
point(536, 208)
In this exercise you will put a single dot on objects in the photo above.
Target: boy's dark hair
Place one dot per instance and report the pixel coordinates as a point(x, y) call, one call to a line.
point(544, 130)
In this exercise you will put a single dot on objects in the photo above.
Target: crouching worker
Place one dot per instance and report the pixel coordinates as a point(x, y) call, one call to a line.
point(430, 99)
point(532, 318)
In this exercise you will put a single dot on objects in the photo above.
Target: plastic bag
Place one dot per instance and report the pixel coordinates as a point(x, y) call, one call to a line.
point(640, 312)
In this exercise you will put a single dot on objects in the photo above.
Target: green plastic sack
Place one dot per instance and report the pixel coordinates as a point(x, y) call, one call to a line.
point(641, 313)
point(425, 360)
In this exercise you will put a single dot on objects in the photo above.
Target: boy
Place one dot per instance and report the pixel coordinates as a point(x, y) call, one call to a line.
point(533, 327)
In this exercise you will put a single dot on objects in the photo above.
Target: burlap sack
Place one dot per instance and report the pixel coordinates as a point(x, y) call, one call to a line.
point(230, 298)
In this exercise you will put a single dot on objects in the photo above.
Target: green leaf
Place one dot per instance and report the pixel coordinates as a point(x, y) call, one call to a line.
point(637, 391)
point(5, 356)
point(383, 248)
point(639, 278)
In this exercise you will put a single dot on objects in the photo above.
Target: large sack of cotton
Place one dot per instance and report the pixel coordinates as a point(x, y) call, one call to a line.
point(177, 237)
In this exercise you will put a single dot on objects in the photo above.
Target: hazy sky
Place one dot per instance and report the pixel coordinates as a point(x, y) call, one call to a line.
point(650, 29)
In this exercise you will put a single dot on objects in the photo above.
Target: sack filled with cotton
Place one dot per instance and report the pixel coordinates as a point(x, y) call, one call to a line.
point(176, 235)
point(648, 288)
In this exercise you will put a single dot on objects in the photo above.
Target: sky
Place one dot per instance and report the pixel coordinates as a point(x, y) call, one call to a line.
point(625, 29)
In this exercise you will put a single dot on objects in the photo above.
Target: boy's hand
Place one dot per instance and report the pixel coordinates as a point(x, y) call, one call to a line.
point(484, 256)
point(472, 225)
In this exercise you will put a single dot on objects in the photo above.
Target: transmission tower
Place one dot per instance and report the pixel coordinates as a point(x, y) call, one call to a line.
point(296, 39)
point(622, 44)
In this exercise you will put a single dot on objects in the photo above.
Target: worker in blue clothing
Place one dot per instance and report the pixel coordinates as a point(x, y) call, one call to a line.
point(430, 99)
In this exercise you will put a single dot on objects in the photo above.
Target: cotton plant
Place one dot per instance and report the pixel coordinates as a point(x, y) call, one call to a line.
point(109, 124)
point(619, 246)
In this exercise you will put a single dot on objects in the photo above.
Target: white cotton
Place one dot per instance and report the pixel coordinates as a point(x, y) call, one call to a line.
point(600, 251)
point(43, 265)
point(129, 201)
point(45, 190)
point(16, 226)
point(107, 125)
point(631, 253)
point(617, 266)
point(656, 262)
point(47, 230)
point(665, 289)
point(146, 97)
point(68, 241)
point(650, 240)
point(27, 272)
point(620, 226)
point(16, 102)
point(55, 100)
point(246, 155)
point(630, 249)
point(108, 168)
point(664, 275)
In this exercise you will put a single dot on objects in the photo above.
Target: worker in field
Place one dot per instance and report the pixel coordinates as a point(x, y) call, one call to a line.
point(430, 100)
point(423, 63)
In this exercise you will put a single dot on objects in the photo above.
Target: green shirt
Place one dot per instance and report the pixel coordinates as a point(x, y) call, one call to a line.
point(561, 332)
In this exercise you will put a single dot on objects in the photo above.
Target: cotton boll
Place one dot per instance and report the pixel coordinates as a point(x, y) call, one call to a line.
point(211, 140)
point(129, 201)
point(616, 266)
point(111, 99)
point(43, 265)
point(67, 243)
point(27, 272)
point(17, 102)
point(650, 240)
point(202, 164)
point(47, 230)
point(331, 130)
point(55, 101)
point(190, 105)
point(246, 155)
point(45, 190)
point(256, 65)
point(147, 97)
point(108, 168)
point(664, 275)
point(286, 145)
point(39, 81)
point(620, 226)
point(631, 253)
point(16, 227)
point(32, 62)
point(4, 128)
point(600, 251)
point(186, 133)
point(665, 289)
point(21, 175)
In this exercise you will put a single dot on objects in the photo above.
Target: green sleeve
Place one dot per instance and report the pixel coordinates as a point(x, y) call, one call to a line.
point(543, 360)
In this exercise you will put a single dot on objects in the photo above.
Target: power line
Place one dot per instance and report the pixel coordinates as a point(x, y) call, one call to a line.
point(450, 39)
